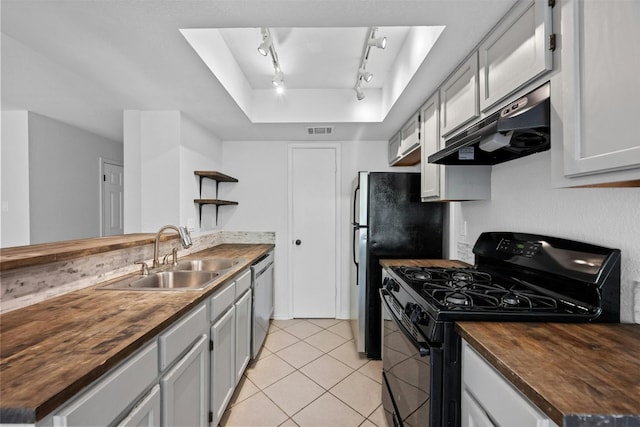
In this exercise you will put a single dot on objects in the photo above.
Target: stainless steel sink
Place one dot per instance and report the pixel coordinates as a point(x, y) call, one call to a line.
point(210, 264)
point(166, 280)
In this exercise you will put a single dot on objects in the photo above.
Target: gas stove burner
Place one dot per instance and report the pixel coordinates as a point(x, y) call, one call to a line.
point(462, 276)
point(420, 275)
point(510, 300)
point(457, 298)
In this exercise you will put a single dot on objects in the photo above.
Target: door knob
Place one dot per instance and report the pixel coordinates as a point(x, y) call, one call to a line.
point(298, 242)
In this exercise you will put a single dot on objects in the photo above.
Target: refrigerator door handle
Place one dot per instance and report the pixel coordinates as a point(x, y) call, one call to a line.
point(355, 230)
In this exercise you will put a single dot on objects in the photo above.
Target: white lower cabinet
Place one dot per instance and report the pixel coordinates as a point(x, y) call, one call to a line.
point(185, 388)
point(184, 377)
point(472, 413)
point(146, 413)
point(223, 378)
point(243, 334)
point(184, 381)
point(104, 402)
point(488, 399)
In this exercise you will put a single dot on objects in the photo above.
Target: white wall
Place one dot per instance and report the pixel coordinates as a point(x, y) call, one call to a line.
point(162, 150)
point(262, 193)
point(199, 150)
point(522, 199)
point(14, 187)
point(56, 190)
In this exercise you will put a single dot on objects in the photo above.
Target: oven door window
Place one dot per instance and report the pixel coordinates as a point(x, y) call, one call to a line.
point(408, 375)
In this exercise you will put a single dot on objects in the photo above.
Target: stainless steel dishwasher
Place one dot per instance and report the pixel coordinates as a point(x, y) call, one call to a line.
point(262, 284)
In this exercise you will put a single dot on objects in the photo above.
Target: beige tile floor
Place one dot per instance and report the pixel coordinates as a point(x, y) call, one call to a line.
point(308, 374)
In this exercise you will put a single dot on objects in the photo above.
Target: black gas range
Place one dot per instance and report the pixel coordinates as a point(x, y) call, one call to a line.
point(516, 277)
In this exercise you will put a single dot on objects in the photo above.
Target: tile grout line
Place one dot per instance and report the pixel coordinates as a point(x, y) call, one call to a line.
point(325, 391)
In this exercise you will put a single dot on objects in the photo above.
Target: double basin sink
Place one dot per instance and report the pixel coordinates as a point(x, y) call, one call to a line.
point(187, 274)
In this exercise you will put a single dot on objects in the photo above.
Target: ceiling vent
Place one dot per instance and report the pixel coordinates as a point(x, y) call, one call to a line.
point(324, 130)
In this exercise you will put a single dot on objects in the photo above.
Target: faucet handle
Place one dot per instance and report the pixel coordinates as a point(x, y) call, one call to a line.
point(174, 253)
point(145, 267)
point(174, 257)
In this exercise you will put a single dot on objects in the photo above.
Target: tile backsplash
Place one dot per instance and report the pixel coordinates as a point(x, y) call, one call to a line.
point(25, 286)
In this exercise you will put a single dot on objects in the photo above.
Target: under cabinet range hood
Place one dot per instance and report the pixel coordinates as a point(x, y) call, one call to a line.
point(516, 130)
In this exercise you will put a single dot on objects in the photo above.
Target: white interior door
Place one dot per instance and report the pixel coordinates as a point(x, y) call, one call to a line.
point(112, 199)
point(313, 198)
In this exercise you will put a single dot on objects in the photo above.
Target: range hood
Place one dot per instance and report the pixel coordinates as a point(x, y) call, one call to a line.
point(516, 130)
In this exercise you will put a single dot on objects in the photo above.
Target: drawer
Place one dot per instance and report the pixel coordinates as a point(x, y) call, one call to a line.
point(180, 336)
point(495, 395)
point(102, 402)
point(222, 300)
point(243, 283)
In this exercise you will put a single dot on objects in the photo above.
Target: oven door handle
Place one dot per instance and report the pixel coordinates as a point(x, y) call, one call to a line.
point(422, 347)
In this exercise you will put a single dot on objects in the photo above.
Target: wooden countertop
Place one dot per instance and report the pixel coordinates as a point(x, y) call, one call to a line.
point(51, 350)
point(446, 263)
point(43, 253)
point(578, 374)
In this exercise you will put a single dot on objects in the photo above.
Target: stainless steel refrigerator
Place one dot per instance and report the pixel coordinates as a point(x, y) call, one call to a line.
point(389, 222)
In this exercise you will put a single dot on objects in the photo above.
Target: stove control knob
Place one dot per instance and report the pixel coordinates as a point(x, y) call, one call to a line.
point(408, 309)
point(391, 285)
point(417, 314)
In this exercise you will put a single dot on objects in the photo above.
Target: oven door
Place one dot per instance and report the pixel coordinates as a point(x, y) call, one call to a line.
point(412, 370)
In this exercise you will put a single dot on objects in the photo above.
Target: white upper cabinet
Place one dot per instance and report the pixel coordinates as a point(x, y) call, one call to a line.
point(404, 147)
point(394, 148)
point(516, 51)
point(600, 59)
point(447, 183)
point(430, 132)
point(459, 96)
point(411, 136)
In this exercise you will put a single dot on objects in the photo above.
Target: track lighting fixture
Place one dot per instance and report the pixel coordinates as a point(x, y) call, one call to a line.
point(265, 48)
point(379, 42)
point(266, 42)
point(278, 78)
point(363, 75)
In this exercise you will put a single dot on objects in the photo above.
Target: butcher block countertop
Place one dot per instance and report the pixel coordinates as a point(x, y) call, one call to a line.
point(580, 374)
point(51, 350)
point(43, 253)
point(446, 263)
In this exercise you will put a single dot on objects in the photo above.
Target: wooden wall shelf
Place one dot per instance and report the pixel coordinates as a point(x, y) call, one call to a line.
point(218, 178)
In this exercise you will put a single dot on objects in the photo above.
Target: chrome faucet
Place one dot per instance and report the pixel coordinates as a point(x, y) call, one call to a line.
point(184, 236)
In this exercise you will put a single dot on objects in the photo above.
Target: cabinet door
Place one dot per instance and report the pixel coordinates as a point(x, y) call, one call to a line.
point(394, 148)
point(410, 135)
point(146, 413)
point(459, 96)
point(600, 57)
point(515, 52)
point(472, 413)
point(223, 377)
point(430, 144)
point(103, 402)
point(497, 397)
point(185, 388)
point(243, 334)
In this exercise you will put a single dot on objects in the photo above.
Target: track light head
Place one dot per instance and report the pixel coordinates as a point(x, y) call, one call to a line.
point(365, 75)
point(278, 79)
point(263, 48)
point(359, 93)
point(379, 42)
